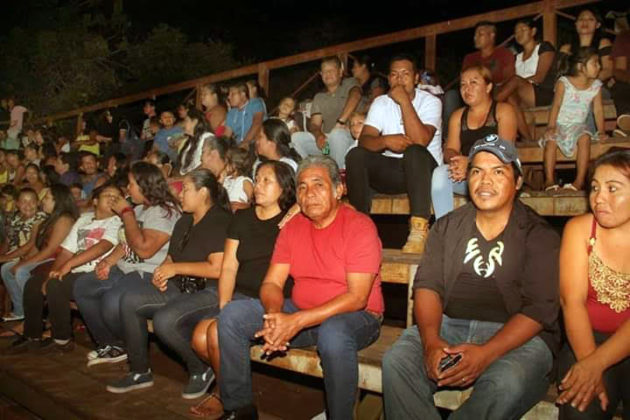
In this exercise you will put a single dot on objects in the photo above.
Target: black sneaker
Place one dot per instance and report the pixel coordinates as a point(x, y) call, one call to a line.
point(248, 412)
point(198, 385)
point(49, 346)
point(108, 354)
point(131, 381)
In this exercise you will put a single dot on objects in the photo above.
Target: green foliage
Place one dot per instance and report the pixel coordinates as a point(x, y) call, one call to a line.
point(71, 55)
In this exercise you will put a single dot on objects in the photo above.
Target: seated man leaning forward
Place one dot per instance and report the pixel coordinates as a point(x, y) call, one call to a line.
point(399, 147)
point(333, 254)
point(486, 302)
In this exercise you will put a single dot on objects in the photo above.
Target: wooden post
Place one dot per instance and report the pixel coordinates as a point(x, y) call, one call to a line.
point(550, 24)
point(344, 60)
point(429, 52)
point(198, 96)
point(79, 124)
point(263, 77)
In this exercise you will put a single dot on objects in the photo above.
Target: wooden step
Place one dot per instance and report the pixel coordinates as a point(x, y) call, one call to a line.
point(560, 203)
point(540, 115)
point(531, 152)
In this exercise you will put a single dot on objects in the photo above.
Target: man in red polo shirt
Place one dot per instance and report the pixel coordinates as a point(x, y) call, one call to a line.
point(333, 254)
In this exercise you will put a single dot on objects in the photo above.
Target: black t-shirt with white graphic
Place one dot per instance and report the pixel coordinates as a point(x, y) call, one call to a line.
point(476, 294)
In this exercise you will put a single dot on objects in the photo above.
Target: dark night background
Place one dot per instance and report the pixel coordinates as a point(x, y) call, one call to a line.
point(247, 32)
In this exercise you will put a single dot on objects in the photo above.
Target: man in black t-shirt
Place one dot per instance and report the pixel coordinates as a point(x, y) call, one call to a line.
point(485, 300)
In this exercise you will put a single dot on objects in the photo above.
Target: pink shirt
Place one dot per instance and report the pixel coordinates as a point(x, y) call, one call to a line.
point(320, 259)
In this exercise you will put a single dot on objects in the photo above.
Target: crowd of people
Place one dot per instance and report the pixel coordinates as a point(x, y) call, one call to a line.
point(227, 227)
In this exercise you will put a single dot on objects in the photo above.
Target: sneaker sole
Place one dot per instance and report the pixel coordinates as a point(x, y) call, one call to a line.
point(94, 362)
point(129, 388)
point(200, 393)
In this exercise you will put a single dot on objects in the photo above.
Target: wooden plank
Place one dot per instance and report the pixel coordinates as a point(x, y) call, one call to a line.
point(430, 52)
point(550, 23)
point(306, 360)
point(532, 153)
point(363, 44)
point(263, 77)
point(545, 204)
point(540, 114)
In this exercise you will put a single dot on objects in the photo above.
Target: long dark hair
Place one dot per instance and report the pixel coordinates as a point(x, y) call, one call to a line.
point(64, 206)
point(153, 186)
point(204, 178)
point(285, 175)
point(597, 36)
point(277, 131)
point(202, 126)
point(617, 157)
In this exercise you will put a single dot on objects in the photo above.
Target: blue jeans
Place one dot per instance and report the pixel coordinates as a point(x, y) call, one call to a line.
point(507, 389)
point(99, 303)
point(14, 283)
point(442, 190)
point(339, 141)
point(175, 315)
point(338, 339)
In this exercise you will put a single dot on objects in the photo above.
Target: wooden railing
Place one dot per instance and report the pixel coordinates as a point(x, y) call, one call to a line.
point(549, 10)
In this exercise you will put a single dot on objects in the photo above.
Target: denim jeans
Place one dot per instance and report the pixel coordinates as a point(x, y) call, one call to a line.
point(175, 315)
point(14, 283)
point(442, 190)
point(338, 340)
point(339, 141)
point(409, 174)
point(99, 303)
point(507, 389)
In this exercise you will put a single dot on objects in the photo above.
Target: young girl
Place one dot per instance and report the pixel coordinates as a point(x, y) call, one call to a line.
point(235, 179)
point(567, 128)
point(15, 167)
point(161, 160)
point(286, 107)
point(32, 177)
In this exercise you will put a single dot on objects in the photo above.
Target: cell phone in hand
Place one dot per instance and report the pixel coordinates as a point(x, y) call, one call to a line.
point(449, 361)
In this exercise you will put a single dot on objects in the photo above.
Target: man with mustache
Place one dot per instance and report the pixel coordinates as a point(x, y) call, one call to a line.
point(486, 302)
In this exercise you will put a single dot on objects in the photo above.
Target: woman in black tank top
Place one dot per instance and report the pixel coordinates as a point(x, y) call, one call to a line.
point(481, 116)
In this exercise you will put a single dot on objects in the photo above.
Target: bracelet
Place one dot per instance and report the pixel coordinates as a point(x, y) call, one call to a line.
point(125, 210)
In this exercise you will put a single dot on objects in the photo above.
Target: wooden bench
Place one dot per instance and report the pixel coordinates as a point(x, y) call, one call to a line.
point(559, 203)
point(398, 268)
point(538, 118)
point(531, 153)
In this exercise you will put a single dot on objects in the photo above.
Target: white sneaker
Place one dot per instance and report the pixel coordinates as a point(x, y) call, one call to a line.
point(320, 416)
point(109, 354)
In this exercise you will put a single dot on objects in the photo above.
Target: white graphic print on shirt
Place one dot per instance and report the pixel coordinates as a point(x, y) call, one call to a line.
point(482, 268)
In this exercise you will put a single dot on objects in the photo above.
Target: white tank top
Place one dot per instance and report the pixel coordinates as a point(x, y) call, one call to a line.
point(528, 67)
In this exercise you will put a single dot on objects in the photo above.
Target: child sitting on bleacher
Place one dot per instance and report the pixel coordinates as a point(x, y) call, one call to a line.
point(286, 107)
point(235, 179)
point(567, 128)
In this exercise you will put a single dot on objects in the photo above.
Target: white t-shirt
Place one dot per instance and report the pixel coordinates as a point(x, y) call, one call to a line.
point(234, 187)
point(87, 232)
point(17, 116)
point(528, 67)
point(385, 115)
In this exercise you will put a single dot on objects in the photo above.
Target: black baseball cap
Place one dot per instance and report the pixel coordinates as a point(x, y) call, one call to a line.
point(503, 149)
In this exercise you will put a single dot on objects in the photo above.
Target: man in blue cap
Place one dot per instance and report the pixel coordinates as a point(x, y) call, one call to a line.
point(486, 302)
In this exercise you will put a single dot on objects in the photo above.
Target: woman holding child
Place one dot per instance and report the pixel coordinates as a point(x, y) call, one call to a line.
point(595, 297)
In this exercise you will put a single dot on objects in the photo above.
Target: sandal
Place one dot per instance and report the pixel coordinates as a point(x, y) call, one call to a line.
point(569, 187)
point(211, 407)
point(554, 187)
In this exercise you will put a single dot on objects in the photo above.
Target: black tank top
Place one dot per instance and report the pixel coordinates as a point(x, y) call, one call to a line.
point(468, 136)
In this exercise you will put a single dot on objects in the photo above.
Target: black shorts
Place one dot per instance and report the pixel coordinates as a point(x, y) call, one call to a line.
point(543, 95)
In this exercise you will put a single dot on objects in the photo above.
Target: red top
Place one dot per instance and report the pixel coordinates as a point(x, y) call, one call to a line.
point(500, 63)
point(320, 259)
point(220, 130)
point(608, 299)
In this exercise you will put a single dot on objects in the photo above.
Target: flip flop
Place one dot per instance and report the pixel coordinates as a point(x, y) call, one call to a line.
point(554, 187)
point(198, 411)
point(569, 187)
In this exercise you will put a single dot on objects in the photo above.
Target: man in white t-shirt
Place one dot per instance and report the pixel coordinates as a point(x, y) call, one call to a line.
point(398, 149)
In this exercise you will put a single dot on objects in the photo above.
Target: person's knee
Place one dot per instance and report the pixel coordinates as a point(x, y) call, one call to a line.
point(234, 315)
point(511, 384)
point(417, 152)
point(165, 323)
point(213, 338)
point(439, 177)
point(355, 158)
point(335, 340)
point(199, 340)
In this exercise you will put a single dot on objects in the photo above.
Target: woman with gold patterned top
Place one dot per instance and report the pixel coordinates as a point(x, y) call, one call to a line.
point(595, 297)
